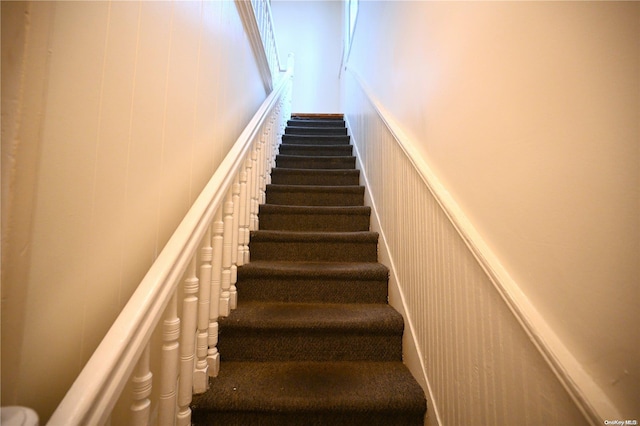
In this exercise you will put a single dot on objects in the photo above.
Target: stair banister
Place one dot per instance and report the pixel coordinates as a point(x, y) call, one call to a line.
point(123, 354)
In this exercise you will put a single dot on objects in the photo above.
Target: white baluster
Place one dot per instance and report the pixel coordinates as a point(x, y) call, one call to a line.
point(235, 230)
point(262, 165)
point(141, 389)
point(268, 152)
point(201, 374)
point(275, 144)
point(253, 222)
point(247, 212)
point(187, 344)
point(213, 357)
point(242, 216)
point(169, 365)
point(225, 306)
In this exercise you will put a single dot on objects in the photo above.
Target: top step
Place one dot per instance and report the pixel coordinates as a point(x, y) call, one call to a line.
point(318, 116)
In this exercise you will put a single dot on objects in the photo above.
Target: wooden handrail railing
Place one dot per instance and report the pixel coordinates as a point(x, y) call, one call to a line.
point(202, 255)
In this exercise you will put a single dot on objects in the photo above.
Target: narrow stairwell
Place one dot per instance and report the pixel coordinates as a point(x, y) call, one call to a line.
point(313, 340)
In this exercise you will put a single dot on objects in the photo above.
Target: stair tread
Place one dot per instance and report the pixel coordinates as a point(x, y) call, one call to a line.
point(308, 146)
point(309, 386)
point(351, 270)
point(314, 318)
point(314, 236)
point(315, 161)
point(316, 188)
point(333, 172)
point(316, 150)
point(321, 138)
point(307, 157)
point(315, 210)
point(317, 128)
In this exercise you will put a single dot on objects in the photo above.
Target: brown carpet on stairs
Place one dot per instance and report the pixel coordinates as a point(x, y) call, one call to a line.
point(313, 340)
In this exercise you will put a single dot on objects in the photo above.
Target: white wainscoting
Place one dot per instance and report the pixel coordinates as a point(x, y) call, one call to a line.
point(476, 357)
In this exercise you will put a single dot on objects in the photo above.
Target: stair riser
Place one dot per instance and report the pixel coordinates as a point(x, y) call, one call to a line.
point(316, 140)
point(316, 123)
point(317, 150)
point(305, 345)
point(314, 223)
point(306, 418)
point(314, 198)
point(314, 251)
point(304, 290)
point(320, 130)
point(280, 177)
point(315, 162)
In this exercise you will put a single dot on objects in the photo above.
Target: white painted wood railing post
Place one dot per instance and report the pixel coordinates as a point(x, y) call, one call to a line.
point(267, 156)
point(213, 357)
point(142, 382)
point(243, 224)
point(169, 364)
point(247, 212)
point(262, 161)
point(273, 147)
point(235, 229)
point(201, 374)
point(226, 255)
point(187, 344)
point(258, 144)
point(253, 222)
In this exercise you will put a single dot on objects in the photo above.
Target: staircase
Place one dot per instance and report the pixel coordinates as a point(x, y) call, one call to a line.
point(313, 340)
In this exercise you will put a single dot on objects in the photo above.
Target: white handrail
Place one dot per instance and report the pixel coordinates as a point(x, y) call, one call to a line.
point(93, 395)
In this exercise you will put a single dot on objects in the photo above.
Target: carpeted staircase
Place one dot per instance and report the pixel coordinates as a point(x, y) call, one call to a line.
point(313, 340)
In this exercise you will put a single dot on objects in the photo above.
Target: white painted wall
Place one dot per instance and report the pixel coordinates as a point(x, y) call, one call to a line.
point(528, 113)
point(114, 115)
point(313, 31)
point(476, 362)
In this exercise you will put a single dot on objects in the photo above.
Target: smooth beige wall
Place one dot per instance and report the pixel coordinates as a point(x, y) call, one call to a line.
point(528, 112)
point(312, 30)
point(114, 116)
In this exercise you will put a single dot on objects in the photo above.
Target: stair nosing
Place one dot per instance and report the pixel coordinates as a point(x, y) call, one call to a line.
point(352, 270)
point(307, 157)
point(269, 235)
point(314, 210)
point(316, 188)
point(313, 317)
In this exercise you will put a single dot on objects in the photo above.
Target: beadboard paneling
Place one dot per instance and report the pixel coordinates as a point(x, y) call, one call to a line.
point(475, 360)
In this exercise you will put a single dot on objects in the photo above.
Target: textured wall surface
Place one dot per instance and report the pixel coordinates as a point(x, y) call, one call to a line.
point(528, 114)
point(116, 115)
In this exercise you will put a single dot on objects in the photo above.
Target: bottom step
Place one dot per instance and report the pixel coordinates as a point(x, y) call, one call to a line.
point(311, 393)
